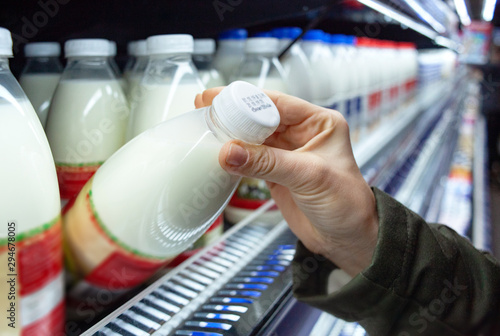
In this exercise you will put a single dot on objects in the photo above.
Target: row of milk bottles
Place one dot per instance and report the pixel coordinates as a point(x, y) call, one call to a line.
point(143, 202)
point(362, 78)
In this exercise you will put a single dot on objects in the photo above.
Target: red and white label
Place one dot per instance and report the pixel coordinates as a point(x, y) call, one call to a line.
point(38, 277)
point(72, 179)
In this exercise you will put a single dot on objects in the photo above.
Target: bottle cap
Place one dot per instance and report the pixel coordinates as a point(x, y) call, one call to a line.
point(287, 32)
point(112, 48)
point(5, 42)
point(141, 48)
point(314, 35)
point(131, 48)
point(351, 40)
point(170, 44)
point(204, 46)
point(42, 49)
point(337, 39)
point(86, 47)
point(234, 34)
point(258, 45)
point(247, 112)
point(364, 42)
point(263, 34)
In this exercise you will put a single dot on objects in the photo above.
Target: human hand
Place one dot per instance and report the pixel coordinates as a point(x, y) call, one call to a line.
point(313, 178)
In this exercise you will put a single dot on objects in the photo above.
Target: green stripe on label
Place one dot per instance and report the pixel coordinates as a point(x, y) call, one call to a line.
point(114, 238)
point(87, 164)
point(33, 232)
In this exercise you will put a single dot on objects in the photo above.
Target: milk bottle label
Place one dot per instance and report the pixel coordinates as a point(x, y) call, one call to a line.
point(32, 281)
point(111, 267)
point(72, 177)
point(251, 194)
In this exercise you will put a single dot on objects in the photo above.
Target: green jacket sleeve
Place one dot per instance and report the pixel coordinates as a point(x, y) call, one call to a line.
point(424, 279)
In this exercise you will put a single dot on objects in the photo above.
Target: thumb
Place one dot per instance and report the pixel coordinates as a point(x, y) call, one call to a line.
point(287, 168)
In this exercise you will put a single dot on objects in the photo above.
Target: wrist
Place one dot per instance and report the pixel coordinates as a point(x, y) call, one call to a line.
point(355, 253)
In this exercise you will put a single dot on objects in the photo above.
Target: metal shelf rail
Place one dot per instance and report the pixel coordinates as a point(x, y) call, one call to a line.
point(481, 225)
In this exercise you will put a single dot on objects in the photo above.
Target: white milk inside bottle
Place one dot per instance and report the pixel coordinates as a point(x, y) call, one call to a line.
point(114, 66)
point(41, 75)
point(230, 52)
point(169, 85)
point(88, 116)
point(261, 68)
point(320, 58)
point(158, 194)
point(368, 48)
point(358, 79)
point(297, 69)
point(203, 56)
point(342, 80)
point(31, 270)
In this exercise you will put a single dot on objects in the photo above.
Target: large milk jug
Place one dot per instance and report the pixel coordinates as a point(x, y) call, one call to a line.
point(262, 68)
point(203, 56)
point(230, 52)
point(31, 273)
point(296, 66)
point(169, 85)
point(41, 75)
point(88, 115)
point(320, 58)
point(159, 193)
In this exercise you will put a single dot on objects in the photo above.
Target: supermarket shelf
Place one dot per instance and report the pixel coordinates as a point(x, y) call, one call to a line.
point(433, 161)
point(481, 226)
point(373, 145)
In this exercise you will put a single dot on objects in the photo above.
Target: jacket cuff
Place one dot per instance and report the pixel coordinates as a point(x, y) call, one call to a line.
point(358, 299)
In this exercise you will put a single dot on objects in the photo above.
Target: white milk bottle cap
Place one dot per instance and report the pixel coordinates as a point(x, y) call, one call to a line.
point(5, 42)
point(247, 112)
point(204, 46)
point(132, 48)
point(262, 45)
point(86, 47)
point(112, 48)
point(170, 44)
point(42, 49)
point(141, 48)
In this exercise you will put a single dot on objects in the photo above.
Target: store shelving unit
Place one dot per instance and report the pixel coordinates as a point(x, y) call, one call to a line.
point(395, 157)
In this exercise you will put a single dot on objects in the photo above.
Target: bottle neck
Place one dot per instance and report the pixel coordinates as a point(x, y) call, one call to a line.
point(4, 63)
point(268, 55)
point(177, 57)
point(232, 45)
point(88, 67)
point(43, 65)
point(216, 126)
point(203, 61)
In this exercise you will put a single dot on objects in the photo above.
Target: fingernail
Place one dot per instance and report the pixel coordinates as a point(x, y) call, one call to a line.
point(237, 156)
